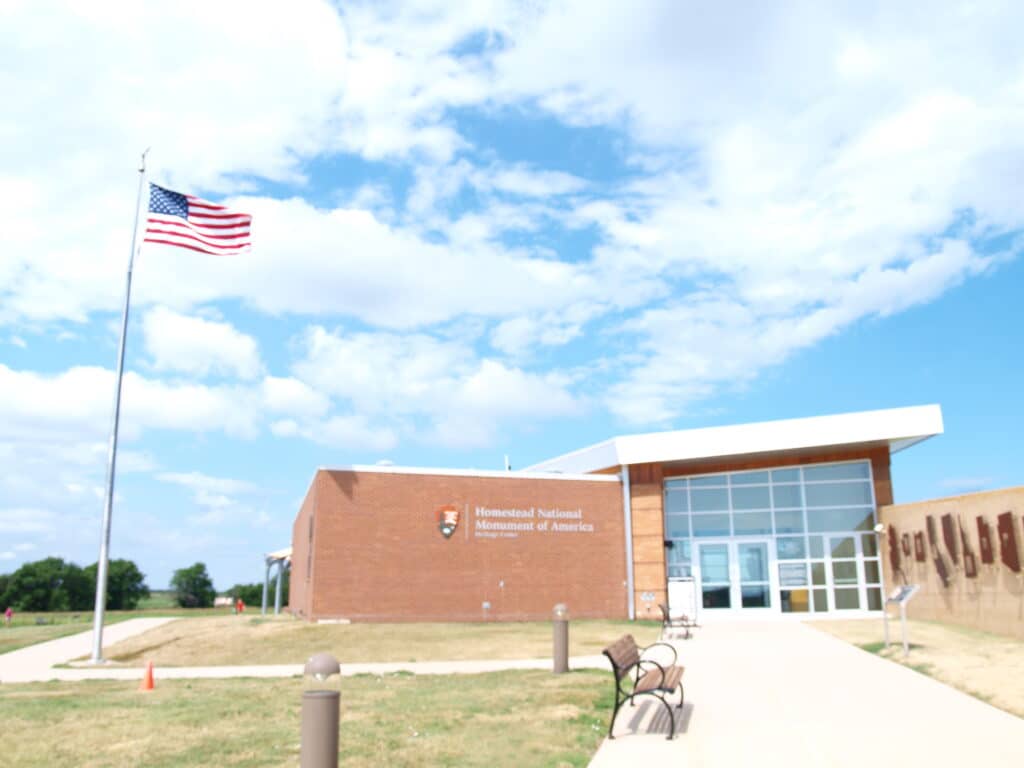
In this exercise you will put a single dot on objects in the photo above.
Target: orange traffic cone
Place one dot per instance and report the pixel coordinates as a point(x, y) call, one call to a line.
point(147, 679)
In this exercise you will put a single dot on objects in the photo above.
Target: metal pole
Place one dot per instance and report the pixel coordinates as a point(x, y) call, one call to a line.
point(321, 711)
point(266, 585)
point(903, 623)
point(627, 514)
point(277, 590)
point(101, 569)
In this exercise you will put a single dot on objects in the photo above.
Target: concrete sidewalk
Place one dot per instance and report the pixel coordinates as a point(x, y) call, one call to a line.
point(34, 662)
point(784, 694)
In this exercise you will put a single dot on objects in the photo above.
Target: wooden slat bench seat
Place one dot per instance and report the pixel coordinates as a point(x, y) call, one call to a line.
point(638, 676)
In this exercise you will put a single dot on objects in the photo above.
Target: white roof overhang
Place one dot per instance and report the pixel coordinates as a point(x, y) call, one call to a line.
point(281, 554)
point(899, 428)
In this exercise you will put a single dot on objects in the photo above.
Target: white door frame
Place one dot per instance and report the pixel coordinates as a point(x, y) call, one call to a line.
point(736, 608)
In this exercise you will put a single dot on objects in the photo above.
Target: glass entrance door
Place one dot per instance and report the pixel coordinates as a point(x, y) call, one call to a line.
point(734, 574)
point(715, 576)
point(755, 589)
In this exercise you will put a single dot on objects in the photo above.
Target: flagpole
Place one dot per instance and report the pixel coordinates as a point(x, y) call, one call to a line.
point(101, 569)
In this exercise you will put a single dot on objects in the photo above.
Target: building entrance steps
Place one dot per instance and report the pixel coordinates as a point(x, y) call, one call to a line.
point(784, 694)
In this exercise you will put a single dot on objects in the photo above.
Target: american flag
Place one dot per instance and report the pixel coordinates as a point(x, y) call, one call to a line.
point(188, 222)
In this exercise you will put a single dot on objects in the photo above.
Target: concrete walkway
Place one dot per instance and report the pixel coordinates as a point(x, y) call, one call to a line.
point(784, 694)
point(34, 662)
point(37, 662)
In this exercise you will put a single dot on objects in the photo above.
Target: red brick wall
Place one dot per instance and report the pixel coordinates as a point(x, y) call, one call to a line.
point(379, 554)
point(300, 591)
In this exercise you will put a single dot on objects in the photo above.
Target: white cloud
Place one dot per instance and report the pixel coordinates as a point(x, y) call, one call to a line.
point(17, 341)
point(199, 482)
point(27, 520)
point(78, 402)
point(7, 555)
point(351, 432)
point(786, 178)
point(709, 341)
point(198, 347)
point(206, 117)
point(217, 498)
point(289, 395)
point(400, 381)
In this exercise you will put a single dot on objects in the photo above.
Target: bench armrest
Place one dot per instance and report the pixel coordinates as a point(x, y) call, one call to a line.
point(640, 669)
point(675, 656)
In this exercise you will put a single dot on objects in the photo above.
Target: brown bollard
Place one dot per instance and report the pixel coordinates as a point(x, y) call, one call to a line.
point(321, 713)
point(560, 639)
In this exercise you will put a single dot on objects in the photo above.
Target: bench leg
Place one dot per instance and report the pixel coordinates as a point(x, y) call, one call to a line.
point(671, 718)
point(611, 725)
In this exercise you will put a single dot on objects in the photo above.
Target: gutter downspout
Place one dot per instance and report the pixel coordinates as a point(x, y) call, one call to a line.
point(627, 516)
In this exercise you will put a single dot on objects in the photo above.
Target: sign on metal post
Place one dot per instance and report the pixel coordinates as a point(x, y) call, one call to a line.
point(900, 597)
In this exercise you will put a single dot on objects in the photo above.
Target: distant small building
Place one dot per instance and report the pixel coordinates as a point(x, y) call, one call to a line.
point(769, 519)
point(223, 602)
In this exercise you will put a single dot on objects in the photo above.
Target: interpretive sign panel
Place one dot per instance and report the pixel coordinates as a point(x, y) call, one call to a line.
point(902, 594)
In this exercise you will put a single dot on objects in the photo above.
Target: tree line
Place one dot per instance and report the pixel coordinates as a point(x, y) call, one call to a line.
point(53, 584)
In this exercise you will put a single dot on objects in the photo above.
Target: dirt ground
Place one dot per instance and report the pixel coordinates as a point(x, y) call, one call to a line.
point(987, 666)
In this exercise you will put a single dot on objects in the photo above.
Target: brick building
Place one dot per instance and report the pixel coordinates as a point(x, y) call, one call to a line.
point(763, 519)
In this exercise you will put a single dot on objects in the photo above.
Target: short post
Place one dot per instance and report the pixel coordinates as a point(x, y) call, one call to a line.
point(321, 712)
point(560, 639)
point(903, 623)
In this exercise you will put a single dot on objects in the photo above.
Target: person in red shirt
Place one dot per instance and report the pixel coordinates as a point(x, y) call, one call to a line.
point(239, 606)
point(8, 615)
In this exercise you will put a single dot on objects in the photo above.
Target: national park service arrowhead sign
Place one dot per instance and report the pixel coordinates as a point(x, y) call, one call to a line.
point(448, 519)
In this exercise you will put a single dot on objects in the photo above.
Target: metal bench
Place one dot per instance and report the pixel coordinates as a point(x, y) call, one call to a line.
point(638, 676)
point(675, 622)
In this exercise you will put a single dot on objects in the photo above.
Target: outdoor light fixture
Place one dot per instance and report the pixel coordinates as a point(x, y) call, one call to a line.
point(321, 666)
point(879, 529)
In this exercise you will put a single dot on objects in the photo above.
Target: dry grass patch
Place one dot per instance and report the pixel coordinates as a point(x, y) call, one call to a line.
point(989, 667)
point(284, 640)
point(29, 628)
point(497, 719)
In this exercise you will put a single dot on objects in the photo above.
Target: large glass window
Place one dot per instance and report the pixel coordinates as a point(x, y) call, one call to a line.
point(817, 520)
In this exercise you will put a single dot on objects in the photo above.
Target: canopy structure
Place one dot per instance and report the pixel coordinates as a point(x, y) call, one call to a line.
point(897, 428)
point(283, 559)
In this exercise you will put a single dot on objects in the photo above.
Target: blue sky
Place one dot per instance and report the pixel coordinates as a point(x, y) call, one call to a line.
point(477, 235)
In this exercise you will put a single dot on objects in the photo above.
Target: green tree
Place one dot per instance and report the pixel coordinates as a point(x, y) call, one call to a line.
point(252, 594)
point(50, 585)
point(5, 599)
point(126, 584)
point(193, 587)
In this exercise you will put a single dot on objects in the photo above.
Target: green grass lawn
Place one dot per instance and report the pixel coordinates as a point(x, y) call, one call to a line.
point(527, 718)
